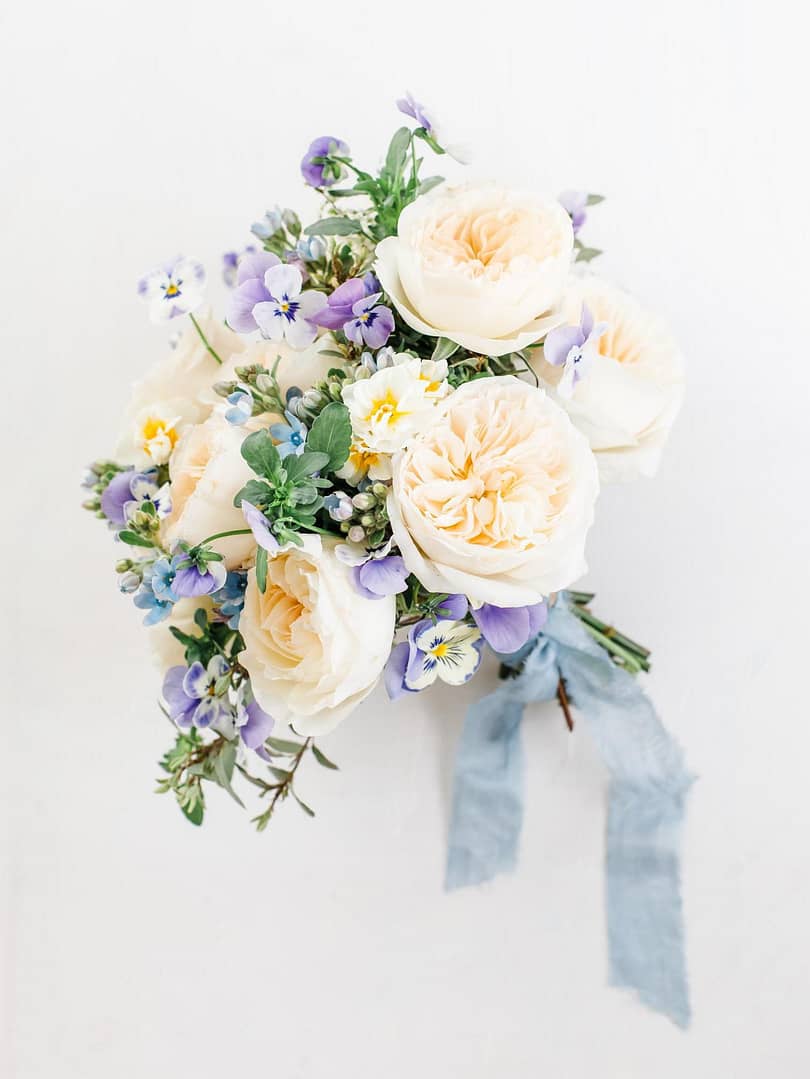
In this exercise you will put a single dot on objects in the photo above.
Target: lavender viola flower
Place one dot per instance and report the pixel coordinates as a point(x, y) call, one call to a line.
point(192, 694)
point(231, 598)
point(338, 309)
point(575, 203)
point(241, 402)
point(191, 580)
point(175, 288)
point(127, 491)
point(260, 527)
point(574, 349)
point(411, 107)
point(249, 291)
point(288, 313)
point(291, 437)
point(446, 649)
point(376, 573)
point(506, 629)
point(318, 167)
point(230, 264)
point(372, 323)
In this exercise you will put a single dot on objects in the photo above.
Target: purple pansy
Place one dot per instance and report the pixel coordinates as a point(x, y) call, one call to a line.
point(411, 107)
point(574, 349)
point(126, 492)
point(191, 693)
point(175, 288)
point(250, 290)
point(506, 629)
point(287, 312)
point(376, 573)
point(447, 649)
point(190, 580)
point(372, 323)
point(575, 203)
point(339, 306)
point(254, 726)
point(317, 172)
point(260, 527)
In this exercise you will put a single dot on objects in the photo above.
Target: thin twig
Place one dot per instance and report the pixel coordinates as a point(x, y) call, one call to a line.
point(565, 704)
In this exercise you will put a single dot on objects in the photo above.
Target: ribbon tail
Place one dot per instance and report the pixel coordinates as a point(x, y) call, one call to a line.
point(487, 811)
point(644, 910)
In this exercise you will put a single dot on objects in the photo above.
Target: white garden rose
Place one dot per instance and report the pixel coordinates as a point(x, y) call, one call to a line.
point(479, 265)
point(314, 646)
point(495, 497)
point(206, 471)
point(633, 389)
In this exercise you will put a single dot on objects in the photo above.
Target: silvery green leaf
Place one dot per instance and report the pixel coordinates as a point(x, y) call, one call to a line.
point(397, 151)
point(321, 758)
point(331, 433)
point(429, 183)
point(444, 349)
point(594, 200)
point(585, 254)
point(280, 745)
point(333, 226)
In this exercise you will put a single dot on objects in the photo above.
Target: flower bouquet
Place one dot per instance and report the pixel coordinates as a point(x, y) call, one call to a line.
point(383, 462)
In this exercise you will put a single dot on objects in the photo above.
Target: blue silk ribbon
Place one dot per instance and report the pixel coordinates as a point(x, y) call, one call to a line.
point(648, 787)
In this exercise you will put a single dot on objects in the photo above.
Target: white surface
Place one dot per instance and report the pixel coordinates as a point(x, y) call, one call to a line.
point(136, 946)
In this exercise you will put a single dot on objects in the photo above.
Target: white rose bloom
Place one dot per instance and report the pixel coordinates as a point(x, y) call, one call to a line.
point(314, 646)
point(494, 499)
point(206, 471)
point(626, 403)
point(479, 265)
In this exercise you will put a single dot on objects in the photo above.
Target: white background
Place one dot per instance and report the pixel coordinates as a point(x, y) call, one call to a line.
point(135, 946)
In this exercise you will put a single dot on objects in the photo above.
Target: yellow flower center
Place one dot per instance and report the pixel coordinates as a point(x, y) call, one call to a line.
point(385, 408)
point(154, 428)
point(172, 290)
point(440, 650)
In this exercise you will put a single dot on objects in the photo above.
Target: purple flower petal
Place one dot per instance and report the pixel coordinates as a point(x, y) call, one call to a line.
point(116, 495)
point(260, 527)
point(258, 727)
point(538, 616)
point(454, 608)
point(383, 576)
point(180, 705)
point(190, 582)
point(559, 343)
point(506, 629)
point(241, 303)
point(195, 681)
point(394, 674)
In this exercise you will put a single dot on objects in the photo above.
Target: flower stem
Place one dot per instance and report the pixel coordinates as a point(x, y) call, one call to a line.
point(223, 535)
point(205, 340)
point(565, 704)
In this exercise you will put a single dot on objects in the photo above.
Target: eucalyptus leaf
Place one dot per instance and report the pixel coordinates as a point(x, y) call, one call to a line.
point(397, 152)
point(334, 226)
point(594, 200)
point(133, 539)
point(321, 758)
point(286, 748)
point(309, 812)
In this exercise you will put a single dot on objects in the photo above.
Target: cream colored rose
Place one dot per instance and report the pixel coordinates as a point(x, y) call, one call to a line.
point(480, 265)
point(165, 648)
point(314, 646)
point(627, 401)
point(206, 471)
point(494, 499)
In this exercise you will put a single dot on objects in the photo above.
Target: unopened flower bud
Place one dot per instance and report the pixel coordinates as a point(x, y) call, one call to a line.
point(368, 520)
point(312, 398)
point(91, 504)
point(311, 248)
point(357, 534)
point(264, 383)
point(224, 389)
point(124, 565)
point(364, 500)
point(379, 490)
point(129, 582)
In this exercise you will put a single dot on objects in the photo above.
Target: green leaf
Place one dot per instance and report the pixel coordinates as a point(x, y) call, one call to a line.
point(223, 770)
point(134, 540)
point(280, 774)
point(331, 433)
point(257, 492)
point(194, 813)
point(594, 200)
point(304, 464)
point(280, 745)
point(321, 758)
point(429, 183)
point(261, 454)
point(334, 226)
point(445, 348)
point(585, 254)
point(397, 152)
point(261, 568)
point(309, 812)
